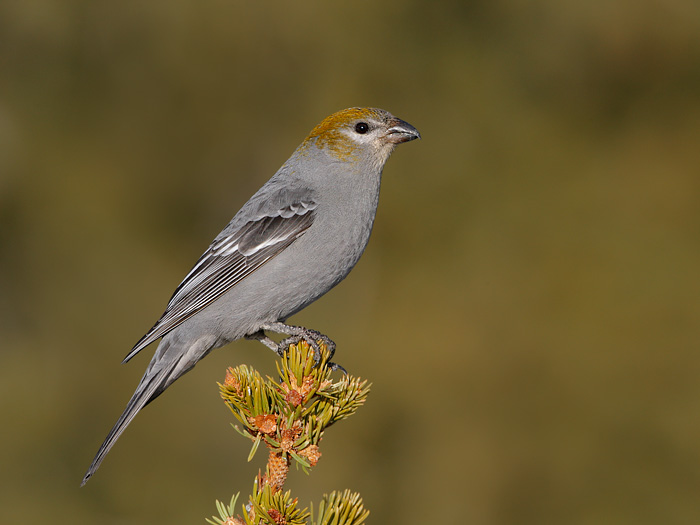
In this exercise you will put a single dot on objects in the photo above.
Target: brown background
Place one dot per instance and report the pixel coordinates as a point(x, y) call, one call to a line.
point(528, 306)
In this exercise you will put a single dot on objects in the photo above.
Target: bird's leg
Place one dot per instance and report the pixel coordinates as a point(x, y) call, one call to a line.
point(260, 336)
point(280, 347)
point(299, 333)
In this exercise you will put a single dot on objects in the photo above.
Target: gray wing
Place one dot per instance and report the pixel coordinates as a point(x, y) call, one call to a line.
point(235, 254)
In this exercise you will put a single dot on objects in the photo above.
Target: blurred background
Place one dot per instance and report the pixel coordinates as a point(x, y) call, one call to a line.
point(528, 307)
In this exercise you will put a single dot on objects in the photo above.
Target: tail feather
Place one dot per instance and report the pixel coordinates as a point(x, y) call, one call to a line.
point(156, 379)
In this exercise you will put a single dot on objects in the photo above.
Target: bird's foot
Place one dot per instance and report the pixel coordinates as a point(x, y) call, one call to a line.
point(311, 337)
point(297, 334)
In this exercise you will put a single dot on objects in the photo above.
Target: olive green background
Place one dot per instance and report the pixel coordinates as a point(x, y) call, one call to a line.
point(528, 307)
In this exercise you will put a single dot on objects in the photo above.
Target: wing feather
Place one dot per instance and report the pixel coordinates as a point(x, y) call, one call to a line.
point(232, 257)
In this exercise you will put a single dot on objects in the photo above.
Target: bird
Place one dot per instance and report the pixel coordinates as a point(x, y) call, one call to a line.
point(296, 238)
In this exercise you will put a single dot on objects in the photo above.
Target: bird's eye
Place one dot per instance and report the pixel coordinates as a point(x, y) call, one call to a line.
point(362, 127)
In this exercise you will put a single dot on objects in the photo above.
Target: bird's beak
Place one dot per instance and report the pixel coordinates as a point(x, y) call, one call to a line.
point(401, 131)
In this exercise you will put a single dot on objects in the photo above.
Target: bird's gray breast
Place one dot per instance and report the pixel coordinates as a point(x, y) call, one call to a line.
point(331, 247)
point(311, 265)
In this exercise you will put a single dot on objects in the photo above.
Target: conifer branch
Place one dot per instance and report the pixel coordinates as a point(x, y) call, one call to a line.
point(290, 417)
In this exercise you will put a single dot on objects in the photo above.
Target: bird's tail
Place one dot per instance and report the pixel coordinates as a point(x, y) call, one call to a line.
point(158, 377)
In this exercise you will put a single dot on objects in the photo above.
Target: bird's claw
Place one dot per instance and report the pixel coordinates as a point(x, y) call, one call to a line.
point(295, 339)
point(336, 366)
point(312, 338)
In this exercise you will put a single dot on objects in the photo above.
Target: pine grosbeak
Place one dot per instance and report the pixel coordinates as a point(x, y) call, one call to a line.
point(294, 240)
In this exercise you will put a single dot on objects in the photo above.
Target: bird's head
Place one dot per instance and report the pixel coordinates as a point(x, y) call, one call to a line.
point(355, 134)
